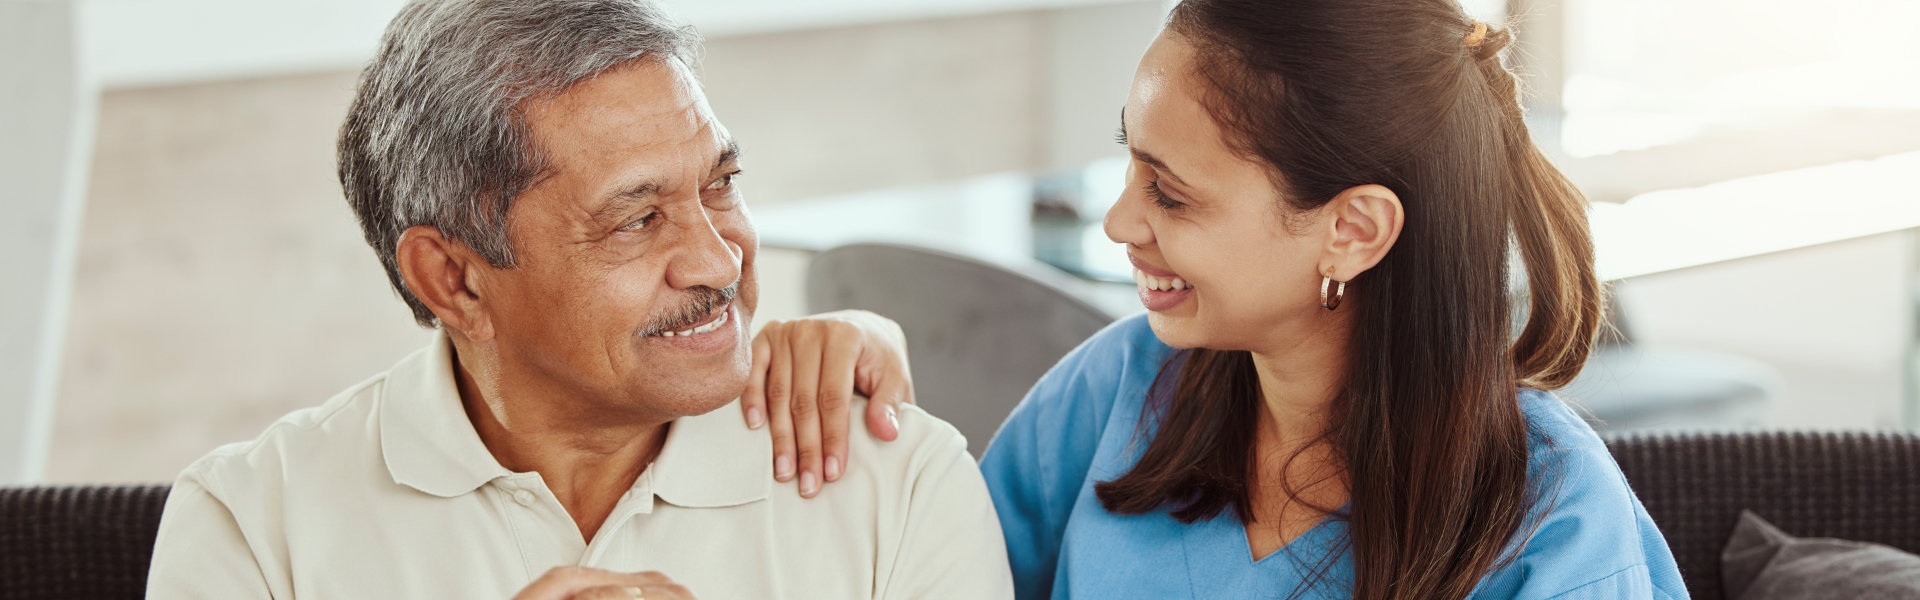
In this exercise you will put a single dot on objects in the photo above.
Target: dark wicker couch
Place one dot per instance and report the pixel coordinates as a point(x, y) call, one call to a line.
point(77, 542)
point(1856, 486)
point(94, 542)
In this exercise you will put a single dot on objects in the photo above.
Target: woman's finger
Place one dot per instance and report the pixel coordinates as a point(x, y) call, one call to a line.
point(883, 407)
point(882, 375)
point(779, 391)
point(805, 346)
point(753, 404)
point(839, 358)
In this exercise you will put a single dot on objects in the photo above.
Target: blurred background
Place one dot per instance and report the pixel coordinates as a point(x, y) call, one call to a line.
point(180, 269)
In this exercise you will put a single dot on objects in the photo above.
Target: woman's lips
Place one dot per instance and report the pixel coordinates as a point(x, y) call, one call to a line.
point(1159, 293)
point(1160, 289)
point(1144, 267)
point(1156, 300)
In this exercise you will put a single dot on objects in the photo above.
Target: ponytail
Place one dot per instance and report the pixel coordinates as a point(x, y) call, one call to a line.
point(1549, 217)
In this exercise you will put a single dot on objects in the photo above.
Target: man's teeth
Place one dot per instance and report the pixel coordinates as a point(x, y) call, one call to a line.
point(1159, 284)
point(715, 325)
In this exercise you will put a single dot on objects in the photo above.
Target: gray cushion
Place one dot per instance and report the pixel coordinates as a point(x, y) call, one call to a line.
point(1763, 563)
point(979, 333)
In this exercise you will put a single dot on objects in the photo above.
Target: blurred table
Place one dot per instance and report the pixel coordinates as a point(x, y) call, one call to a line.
point(1055, 219)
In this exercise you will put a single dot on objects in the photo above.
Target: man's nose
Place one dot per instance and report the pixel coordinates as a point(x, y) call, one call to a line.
point(704, 258)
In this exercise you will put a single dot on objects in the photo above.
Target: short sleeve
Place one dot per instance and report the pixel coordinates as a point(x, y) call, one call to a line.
point(200, 551)
point(1590, 536)
point(1039, 460)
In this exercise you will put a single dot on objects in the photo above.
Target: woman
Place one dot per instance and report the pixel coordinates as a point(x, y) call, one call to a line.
point(1324, 399)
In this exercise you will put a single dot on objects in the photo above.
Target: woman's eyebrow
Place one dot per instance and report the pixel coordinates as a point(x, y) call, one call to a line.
point(1143, 155)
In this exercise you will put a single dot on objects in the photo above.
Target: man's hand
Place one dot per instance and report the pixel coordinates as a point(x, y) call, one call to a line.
point(582, 583)
point(804, 375)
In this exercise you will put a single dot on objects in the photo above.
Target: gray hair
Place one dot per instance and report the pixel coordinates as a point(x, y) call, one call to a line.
point(436, 134)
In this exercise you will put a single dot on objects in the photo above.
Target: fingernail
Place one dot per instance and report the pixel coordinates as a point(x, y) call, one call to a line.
point(894, 419)
point(783, 467)
point(833, 468)
point(753, 418)
point(807, 484)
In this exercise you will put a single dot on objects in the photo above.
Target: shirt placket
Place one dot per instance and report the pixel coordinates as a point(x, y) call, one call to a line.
point(605, 550)
point(546, 535)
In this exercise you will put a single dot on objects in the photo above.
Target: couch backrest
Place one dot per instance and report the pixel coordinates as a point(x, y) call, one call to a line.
point(1856, 486)
point(78, 543)
point(96, 542)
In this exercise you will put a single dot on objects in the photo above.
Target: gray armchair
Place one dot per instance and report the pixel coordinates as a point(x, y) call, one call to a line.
point(979, 334)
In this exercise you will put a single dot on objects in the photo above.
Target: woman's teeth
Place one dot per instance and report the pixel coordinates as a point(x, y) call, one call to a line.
point(1159, 284)
point(701, 329)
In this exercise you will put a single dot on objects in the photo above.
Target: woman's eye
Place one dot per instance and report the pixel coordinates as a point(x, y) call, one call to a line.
point(641, 223)
point(1160, 198)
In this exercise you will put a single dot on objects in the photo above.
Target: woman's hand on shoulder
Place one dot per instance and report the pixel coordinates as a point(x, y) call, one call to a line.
point(805, 373)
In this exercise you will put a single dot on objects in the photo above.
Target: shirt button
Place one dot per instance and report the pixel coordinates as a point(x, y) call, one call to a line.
point(525, 498)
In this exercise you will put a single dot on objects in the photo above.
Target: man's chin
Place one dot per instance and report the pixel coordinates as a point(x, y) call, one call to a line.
point(693, 384)
point(690, 403)
point(688, 390)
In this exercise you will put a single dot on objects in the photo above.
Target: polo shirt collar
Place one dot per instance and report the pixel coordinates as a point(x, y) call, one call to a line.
point(708, 461)
point(425, 435)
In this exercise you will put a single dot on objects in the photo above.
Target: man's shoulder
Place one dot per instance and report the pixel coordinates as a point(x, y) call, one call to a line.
point(924, 439)
point(299, 441)
point(927, 452)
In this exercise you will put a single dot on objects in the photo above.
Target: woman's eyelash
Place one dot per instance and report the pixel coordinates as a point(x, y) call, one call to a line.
point(1120, 135)
point(1160, 198)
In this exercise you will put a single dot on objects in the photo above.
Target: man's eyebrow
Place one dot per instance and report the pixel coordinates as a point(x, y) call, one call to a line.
point(727, 156)
point(1143, 156)
point(621, 201)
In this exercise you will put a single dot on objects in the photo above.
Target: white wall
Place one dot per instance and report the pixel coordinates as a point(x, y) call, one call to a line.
point(46, 120)
point(137, 43)
point(182, 340)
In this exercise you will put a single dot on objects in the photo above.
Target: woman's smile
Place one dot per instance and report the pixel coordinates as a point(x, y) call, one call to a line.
point(1160, 289)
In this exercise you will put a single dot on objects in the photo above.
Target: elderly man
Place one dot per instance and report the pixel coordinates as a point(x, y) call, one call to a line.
point(546, 186)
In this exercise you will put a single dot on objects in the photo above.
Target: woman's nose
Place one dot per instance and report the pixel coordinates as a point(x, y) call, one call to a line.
point(1126, 223)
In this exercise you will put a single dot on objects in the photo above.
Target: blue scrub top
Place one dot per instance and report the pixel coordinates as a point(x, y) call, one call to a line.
point(1078, 426)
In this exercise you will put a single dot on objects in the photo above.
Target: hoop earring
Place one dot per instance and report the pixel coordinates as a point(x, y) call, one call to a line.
point(1339, 293)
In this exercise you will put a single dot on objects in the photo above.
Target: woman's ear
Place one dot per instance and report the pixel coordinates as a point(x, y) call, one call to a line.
point(439, 272)
point(1365, 222)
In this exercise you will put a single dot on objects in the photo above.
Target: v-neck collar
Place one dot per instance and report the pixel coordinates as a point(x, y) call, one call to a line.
point(1218, 553)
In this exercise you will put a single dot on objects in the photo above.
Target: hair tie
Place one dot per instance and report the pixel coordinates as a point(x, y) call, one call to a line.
point(1479, 34)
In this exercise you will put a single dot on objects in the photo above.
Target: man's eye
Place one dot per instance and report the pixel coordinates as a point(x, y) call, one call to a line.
point(724, 182)
point(640, 223)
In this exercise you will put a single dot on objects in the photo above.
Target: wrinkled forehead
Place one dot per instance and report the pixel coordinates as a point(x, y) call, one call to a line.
point(645, 111)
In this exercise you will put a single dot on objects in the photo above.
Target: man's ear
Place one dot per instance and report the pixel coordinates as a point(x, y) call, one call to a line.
point(1365, 222)
point(439, 272)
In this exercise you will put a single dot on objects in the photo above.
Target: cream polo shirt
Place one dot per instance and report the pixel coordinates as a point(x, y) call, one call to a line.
point(386, 491)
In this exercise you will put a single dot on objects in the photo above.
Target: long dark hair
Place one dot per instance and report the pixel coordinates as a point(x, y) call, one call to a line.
point(1332, 94)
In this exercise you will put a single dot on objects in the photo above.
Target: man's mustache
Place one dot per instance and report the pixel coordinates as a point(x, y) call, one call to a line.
point(697, 309)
